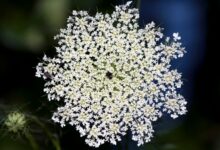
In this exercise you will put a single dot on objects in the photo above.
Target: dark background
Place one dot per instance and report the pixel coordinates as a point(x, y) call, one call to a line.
point(26, 34)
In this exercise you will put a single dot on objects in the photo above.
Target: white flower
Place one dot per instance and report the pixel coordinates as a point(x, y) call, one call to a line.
point(176, 36)
point(113, 76)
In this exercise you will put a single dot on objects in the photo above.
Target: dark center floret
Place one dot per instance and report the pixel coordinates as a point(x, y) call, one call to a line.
point(109, 75)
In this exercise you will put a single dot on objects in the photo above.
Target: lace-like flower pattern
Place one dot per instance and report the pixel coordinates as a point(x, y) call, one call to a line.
point(113, 76)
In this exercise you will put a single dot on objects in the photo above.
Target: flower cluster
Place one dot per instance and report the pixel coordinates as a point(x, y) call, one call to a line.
point(15, 122)
point(113, 76)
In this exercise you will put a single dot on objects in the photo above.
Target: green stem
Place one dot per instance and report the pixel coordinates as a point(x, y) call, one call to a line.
point(138, 3)
point(127, 142)
point(119, 146)
point(54, 141)
point(32, 141)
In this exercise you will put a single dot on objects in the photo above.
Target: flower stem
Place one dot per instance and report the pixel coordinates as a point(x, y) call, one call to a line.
point(127, 142)
point(138, 4)
point(54, 141)
point(32, 141)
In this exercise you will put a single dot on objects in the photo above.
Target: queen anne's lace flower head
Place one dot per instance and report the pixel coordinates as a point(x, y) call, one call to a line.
point(113, 76)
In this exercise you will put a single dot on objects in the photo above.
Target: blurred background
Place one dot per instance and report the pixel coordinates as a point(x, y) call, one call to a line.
point(26, 34)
